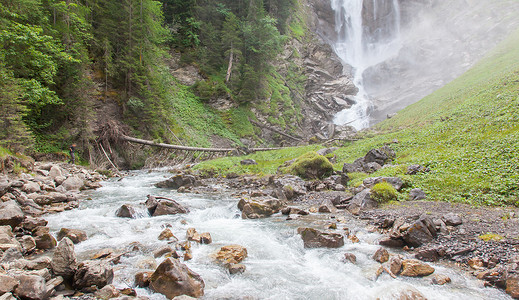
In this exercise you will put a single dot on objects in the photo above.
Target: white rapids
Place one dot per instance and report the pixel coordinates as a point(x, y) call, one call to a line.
point(278, 266)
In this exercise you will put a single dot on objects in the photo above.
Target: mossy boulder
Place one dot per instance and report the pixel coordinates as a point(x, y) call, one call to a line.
point(310, 166)
point(383, 192)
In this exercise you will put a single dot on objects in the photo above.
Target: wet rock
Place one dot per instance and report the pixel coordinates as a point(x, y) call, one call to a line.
point(93, 272)
point(415, 268)
point(417, 194)
point(162, 251)
point(107, 292)
point(142, 279)
point(73, 183)
point(428, 254)
point(205, 238)
point(44, 240)
point(475, 263)
point(314, 238)
point(350, 257)
point(75, 235)
point(167, 234)
point(402, 293)
point(193, 235)
point(177, 181)
point(10, 214)
point(259, 208)
point(440, 279)
point(126, 211)
point(237, 268)
point(248, 162)
point(64, 261)
point(361, 201)
point(7, 284)
point(169, 207)
point(293, 211)
point(231, 254)
point(172, 278)
point(324, 209)
point(381, 255)
point(420, 232)
point(452, 219)
point(353, 238)
point(31, 287)
point(188, 255)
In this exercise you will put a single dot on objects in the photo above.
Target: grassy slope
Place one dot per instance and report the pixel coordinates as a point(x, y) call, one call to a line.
point(467, 133)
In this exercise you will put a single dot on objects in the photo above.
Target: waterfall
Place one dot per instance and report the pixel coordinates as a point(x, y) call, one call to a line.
point(368, 33)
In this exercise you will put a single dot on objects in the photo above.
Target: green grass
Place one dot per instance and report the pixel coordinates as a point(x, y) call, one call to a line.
point(467, 133)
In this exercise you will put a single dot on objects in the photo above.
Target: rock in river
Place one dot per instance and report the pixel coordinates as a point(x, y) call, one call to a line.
point(314, 238)
point(173, 278)
point(259, 208)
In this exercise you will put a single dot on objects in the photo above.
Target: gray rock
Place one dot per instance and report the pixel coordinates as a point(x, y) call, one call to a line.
point(169, 207)
point(177, 181)
point(31, 287)
point(326, 151)
point(10, 214)
point(90, 272)
point(452, 219)
point(75, 235)
point(11, 255)
point(248, 162)
point(73, 183)
point(64, 261)
point(28, 243)
point(59, 180)
point(380, 156)
point(7, 284)
point(417, 194)
point(291, 186)
point(362, 201)
point(314, 238)
point(172, 278)
point(259, 207)
point(31, 187)
point(54, 172)
point(126, 211)
point(31, 223)
point(396, 182)
point(8, 296)
point(420, 232)
point(356, 166)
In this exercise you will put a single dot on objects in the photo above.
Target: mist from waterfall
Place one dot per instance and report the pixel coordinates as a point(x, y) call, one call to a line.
point(402, 50)
point(362, 46)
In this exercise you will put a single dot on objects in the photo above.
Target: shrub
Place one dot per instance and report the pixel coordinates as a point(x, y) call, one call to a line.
point(384, 192)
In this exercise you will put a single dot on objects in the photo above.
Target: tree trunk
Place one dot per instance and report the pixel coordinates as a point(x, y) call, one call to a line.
point(229, 68)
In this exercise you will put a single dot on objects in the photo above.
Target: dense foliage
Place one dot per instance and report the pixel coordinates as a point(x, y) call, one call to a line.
point(62, 60)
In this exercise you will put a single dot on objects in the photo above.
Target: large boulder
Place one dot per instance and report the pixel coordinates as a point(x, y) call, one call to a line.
point(55, 171)
point(415, 268)
point(93, 272)
point(75, 235)
point(420, 232)
point(362, 201)
point(10, 214)
point(231, 254)
point(259, 208)
point(380, 156)
point(169, 207)
point(452, 219)
point(126, 211)
point(73, 183)
point(177, 181)
point(310, 166)
point(173, 278)
point(417, 194)
point(314, 238)
point(31, 187)
point(64, 262)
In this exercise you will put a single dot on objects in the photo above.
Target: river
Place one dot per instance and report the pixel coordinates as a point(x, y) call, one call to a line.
point(278, 266)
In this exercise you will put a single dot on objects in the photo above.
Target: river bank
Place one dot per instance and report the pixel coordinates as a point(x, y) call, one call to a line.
point(276, 250)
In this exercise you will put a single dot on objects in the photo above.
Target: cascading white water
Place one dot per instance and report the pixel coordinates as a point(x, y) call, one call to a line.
point(368, 33)
point(278, 266)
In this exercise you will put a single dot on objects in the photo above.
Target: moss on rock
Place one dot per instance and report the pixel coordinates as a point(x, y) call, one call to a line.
point(310, 166)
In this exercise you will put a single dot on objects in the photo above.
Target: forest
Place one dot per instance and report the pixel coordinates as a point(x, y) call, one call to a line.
point(61, 61)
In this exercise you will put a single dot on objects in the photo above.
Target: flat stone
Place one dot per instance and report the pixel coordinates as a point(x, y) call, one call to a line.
point(415, 268)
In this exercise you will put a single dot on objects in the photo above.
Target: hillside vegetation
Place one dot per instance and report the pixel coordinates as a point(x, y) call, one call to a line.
point(466, 133)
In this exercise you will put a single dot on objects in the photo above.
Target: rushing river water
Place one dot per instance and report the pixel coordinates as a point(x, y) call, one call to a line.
point(278, 266)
